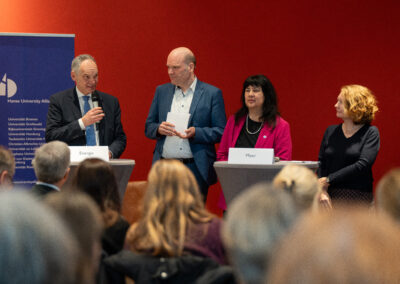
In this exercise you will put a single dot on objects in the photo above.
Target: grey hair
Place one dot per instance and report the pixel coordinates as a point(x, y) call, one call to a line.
point(51, 161)
point(77, 61)
point(35, 245)
point(7, 161)
point(256, 221)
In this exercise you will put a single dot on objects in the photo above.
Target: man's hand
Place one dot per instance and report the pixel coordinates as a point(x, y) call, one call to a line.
point(189, 133)
point(92, 116)
point(167, 129)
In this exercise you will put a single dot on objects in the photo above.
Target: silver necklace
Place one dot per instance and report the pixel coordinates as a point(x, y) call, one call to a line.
point(247, 127)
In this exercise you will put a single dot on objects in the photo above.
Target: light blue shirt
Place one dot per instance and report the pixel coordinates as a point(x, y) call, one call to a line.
point(175, 147)
point(49, 185)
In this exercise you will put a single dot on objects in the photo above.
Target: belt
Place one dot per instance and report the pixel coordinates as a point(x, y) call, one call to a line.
point(183, 160)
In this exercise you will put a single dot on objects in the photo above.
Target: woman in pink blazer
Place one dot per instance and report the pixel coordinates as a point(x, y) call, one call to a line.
point(256, 124)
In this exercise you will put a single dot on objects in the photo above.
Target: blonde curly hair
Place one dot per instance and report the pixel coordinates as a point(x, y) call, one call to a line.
point(360, 103)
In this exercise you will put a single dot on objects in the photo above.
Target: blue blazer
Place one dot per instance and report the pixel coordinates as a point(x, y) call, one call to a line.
point(62, 121)
point(207, 115)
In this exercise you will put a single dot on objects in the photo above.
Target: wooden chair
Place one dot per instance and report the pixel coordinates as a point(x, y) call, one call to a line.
point(133, 200)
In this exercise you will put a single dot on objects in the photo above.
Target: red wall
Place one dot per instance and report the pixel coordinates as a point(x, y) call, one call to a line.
point(308, 50)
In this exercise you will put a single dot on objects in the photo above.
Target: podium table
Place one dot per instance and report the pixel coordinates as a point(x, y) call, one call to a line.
point(234, 178)
point(122, 169)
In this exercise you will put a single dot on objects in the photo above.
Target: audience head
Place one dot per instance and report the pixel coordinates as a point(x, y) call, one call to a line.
point(96, 178)
point(256, 221)
point(351, 245)
point(82, 216)
point(51, 162)
point(35, 245)
point(7, 167)
point(388, 194)
point(171, 204)
point(270, 106)
point(359, 103)
point(302, 183)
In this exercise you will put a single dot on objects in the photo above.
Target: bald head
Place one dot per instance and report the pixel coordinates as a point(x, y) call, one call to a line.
point(181, 63)
point(185, 54)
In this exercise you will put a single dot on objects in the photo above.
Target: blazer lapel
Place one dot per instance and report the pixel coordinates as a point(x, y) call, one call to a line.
point(198, 92)
point(75, 101)
point(167, 103)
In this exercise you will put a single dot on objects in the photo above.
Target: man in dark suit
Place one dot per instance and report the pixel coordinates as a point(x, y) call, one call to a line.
point(205, 105)
point(83, 116)
point(51, 165)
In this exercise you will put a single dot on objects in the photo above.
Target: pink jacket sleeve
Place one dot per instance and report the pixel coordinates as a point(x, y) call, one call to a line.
point(226, 140)
point(283, 140)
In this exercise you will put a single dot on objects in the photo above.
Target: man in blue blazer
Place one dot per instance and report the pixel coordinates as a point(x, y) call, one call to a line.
point(187, 95)
point(67, 120)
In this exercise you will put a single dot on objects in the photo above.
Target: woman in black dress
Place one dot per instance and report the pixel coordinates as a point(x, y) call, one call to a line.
point(348, 150)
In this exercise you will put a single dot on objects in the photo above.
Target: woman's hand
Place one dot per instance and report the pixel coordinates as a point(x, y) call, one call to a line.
point(325, 201)
point(324, 183)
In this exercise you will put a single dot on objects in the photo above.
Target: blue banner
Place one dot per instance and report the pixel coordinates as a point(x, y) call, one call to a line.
point(32, 68)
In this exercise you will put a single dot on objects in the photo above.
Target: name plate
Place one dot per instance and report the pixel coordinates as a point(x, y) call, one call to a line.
point(252, 156)
point(80, 153)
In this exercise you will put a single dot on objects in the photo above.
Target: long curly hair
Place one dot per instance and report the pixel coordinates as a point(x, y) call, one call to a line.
point(171, 205)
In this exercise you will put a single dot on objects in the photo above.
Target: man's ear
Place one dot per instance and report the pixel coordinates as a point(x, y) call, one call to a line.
point(67, 173)
point(5, 178)
point(73, 76)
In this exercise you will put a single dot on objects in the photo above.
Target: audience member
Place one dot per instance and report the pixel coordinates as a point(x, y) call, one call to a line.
point(303, 184)
point(388, 193)
point(82, 216)
point(345, 245)
point(174, 220)
point(7, 168)
point(256, 221)
point(51, 165)
point(96, 178)
point(35, 245)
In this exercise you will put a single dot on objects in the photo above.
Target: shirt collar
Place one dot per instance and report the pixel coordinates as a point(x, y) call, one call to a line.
point(49, 185)
point(80, 94)
point(191, 88)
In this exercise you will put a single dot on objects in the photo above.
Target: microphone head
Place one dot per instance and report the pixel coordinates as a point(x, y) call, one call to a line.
point(95, 99)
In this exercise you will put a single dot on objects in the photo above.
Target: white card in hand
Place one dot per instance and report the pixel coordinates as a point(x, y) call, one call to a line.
point(180, 120)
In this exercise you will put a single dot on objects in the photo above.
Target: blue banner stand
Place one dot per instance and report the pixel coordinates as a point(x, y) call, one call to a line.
point(32, 68)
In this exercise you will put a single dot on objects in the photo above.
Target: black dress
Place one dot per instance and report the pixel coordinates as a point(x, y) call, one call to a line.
point(348, 162)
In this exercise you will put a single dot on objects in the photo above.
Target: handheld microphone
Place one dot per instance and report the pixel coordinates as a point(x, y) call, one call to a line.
point(95, 101)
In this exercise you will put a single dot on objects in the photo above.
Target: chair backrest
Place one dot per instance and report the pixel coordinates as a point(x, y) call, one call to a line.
point(133, 200)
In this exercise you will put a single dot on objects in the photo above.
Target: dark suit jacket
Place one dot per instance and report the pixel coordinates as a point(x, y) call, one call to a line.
point(41, 190)
point(64, 113)
point(207, 115)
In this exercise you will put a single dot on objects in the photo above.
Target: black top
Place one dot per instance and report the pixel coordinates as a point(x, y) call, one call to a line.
point(247, 140)
point(348, 161)
point(113, 238)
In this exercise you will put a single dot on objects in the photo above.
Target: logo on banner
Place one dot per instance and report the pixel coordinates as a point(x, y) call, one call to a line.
point(7, 87)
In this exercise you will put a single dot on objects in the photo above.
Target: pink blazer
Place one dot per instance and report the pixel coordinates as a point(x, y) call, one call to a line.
point(277, 138)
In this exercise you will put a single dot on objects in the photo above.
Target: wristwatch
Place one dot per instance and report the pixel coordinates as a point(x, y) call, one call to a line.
point(327, 179)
